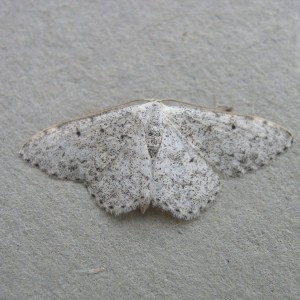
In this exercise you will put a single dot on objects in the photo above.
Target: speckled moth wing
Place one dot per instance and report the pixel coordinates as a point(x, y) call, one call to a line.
point(126, 183)
point(233, 144)
point(184, 182)
point(82, 148)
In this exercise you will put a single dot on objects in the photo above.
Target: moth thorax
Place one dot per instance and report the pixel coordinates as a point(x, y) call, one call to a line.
point(153, 140)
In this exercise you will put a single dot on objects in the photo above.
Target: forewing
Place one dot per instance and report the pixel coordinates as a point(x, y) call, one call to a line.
point(234, 144)
point(184, 182)
point(76, 149)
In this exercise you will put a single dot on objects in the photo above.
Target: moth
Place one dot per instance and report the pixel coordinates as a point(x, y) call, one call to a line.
point(163, 153)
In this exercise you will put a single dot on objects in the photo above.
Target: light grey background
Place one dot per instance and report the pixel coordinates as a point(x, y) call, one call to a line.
point(62, 59)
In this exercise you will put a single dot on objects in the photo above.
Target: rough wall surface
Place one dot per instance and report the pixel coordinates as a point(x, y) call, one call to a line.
point(61, 59)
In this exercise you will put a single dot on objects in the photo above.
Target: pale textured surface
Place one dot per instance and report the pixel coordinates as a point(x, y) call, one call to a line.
point(167, 156)
point(62, 59)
